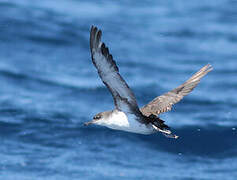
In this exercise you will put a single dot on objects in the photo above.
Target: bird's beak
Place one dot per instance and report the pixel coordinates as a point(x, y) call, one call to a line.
point(89, 122)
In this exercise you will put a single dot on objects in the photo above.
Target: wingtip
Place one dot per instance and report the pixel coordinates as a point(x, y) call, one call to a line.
point(209, 67)
point(202, 72)
point(206, 69)
point(92, 27)
point(95, 37)
point(93, 30)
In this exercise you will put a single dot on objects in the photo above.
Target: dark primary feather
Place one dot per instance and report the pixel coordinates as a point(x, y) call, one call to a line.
point(109, 73)
point(165, 102)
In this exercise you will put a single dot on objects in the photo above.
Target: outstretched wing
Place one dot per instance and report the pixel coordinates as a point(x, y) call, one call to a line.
point(109, 72)
point(165, 102)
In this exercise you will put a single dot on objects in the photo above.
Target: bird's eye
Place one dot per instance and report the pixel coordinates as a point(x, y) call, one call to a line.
point(96, 117)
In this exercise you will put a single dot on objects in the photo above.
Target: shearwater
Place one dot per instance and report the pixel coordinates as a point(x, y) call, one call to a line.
point(127, 116)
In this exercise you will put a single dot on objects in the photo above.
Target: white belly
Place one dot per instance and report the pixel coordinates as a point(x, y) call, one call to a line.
point(120, 121)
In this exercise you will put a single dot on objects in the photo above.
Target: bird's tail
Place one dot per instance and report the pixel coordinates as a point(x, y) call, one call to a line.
point(160, 126)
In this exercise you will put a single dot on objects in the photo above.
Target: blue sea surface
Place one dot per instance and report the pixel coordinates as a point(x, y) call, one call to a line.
point(49, 88)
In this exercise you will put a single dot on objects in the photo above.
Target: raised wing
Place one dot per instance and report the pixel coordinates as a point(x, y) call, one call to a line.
point(109, 72)
point(165, 102)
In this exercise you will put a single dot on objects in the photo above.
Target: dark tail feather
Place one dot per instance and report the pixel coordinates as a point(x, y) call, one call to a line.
point(170, 135)
point(160, 125)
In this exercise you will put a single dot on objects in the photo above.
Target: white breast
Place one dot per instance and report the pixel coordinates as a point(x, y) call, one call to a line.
point(120, 121)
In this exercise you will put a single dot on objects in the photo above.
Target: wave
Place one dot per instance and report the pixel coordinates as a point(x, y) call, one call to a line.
point(212, 141)
point(18, 76)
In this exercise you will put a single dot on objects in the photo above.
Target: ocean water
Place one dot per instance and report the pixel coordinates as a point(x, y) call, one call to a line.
point(49, 88)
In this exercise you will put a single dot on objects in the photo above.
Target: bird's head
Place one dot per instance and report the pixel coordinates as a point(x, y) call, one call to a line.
point(99, 118)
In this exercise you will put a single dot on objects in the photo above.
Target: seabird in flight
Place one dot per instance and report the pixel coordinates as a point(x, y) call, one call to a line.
point(127, 116)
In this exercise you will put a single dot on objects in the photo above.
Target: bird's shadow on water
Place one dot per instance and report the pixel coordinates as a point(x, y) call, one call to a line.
point(213, 141)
